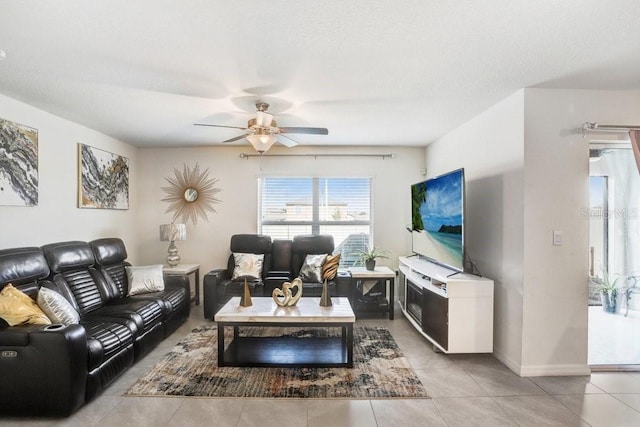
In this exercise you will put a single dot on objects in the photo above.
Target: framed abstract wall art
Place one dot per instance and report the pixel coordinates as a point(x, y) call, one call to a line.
point(103, 179)
point(18, 164)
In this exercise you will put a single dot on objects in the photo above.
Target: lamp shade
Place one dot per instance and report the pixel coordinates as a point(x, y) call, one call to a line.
point(261, 142)
point(263, 119)
point(173, 232)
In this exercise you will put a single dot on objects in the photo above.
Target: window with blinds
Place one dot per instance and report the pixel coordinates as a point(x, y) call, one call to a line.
point(340, 207)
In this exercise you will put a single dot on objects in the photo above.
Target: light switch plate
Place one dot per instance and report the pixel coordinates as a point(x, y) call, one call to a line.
point(557, 238)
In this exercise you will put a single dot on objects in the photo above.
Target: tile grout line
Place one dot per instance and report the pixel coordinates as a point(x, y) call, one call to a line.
point(555, 398)
point(494, 400)
point(183, 400)
point(623, 402)
point(435, 404)
point(374, 412)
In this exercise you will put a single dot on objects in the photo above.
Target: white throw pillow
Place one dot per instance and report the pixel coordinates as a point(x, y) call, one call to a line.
point(56, 307)
point(248, 266)
point(146, 278)
point(311, 270)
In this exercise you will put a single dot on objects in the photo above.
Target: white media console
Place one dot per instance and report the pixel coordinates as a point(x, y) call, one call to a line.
point(452, 310)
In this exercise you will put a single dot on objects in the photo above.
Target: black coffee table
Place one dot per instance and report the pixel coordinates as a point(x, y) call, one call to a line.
point(286, 351)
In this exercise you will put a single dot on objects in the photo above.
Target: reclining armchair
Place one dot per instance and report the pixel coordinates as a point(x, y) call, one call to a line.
point(44, 367)
point(282, 262)
point(219, 286)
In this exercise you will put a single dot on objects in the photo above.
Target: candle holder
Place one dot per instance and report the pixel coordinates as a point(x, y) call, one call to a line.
point(325, 298)
point(245, 300)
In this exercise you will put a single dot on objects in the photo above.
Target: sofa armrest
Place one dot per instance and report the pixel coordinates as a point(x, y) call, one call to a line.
point(210, 283)
point(177, 281)
point(344, 284)
point(44, 368)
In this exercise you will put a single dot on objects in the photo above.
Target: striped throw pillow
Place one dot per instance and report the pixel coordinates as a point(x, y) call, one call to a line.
point(330, 267)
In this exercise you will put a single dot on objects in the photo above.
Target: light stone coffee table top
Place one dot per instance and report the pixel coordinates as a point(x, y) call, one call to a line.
point(378, 272)
point(308, 309)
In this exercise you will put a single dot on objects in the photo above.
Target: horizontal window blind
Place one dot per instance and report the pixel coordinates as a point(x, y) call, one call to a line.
point(340, 207)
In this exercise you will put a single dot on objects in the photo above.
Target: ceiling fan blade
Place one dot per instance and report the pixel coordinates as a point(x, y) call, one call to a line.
point(286, 141)
point(311, 131)
point(237, 138)
point(219, 126)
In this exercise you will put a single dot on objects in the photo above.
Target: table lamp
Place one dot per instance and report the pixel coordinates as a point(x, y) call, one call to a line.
point(171, 233)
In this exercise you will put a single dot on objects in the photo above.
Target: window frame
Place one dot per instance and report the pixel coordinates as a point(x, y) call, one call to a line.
point(315, 223)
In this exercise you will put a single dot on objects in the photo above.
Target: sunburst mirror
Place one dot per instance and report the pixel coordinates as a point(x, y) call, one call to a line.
point(191, 194)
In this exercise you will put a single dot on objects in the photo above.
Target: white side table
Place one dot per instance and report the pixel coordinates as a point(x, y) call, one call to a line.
point(384, 273)
point(185, 270)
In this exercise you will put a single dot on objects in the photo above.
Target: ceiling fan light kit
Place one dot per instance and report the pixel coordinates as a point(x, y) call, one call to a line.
point(261, 142)
point(264, 119)
point(263, 129)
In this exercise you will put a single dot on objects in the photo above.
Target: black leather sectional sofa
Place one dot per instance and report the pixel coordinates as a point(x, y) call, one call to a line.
point(54, 369)
point(282, 262)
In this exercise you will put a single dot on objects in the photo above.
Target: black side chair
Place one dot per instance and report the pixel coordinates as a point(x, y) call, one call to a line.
point(218, 288)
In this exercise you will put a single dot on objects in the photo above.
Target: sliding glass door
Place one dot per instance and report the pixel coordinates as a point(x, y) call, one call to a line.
point(614, 257)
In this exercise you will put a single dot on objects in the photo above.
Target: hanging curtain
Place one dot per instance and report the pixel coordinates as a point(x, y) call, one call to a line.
point(635, 145)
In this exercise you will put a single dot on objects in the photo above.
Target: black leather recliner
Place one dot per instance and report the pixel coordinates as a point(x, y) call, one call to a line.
point(43, 368)
point(72, 266)
point(54, 369)
point(218, 288)
point(310, 245)
point(283, 260)
point(110, 255)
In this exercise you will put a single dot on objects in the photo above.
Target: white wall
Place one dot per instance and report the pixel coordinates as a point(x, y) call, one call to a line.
point(556, 183)
point(57, 217)
point(526, 165)
point(208, 242)
point(491, 149)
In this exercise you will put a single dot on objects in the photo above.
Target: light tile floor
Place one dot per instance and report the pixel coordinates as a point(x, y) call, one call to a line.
point(614, 339)
point(467, 390)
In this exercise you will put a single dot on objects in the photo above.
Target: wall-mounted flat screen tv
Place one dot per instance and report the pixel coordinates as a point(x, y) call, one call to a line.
point(437, 219)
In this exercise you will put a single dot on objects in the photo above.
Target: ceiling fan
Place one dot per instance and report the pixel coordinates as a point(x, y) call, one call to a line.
point(263, 131)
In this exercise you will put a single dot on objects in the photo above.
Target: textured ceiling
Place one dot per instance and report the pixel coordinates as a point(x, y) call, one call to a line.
point(372, 72)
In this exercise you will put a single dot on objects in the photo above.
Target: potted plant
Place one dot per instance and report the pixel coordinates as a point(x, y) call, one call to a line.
point(608, 289)
point(368, 256)
point(629, 291)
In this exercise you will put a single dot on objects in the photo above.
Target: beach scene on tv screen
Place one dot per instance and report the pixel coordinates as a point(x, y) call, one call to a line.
point(439, 236)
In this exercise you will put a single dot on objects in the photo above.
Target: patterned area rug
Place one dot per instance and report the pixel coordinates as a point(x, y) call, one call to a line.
point(190, 369)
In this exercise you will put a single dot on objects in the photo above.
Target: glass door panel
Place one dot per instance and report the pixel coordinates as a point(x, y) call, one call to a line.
point(614, 256)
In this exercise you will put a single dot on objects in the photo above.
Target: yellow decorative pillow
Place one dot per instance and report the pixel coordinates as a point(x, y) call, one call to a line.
point(330, 267)
point(16, 308)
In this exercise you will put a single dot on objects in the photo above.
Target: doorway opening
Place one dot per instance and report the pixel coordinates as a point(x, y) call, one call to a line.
point(614, 258)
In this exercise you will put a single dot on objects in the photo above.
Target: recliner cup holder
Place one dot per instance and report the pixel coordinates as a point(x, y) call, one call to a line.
point(54, 327)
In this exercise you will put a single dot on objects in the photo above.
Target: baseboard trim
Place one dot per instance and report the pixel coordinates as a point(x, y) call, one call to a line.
point(554, 370)
point(511, 364)
point(543, 370)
